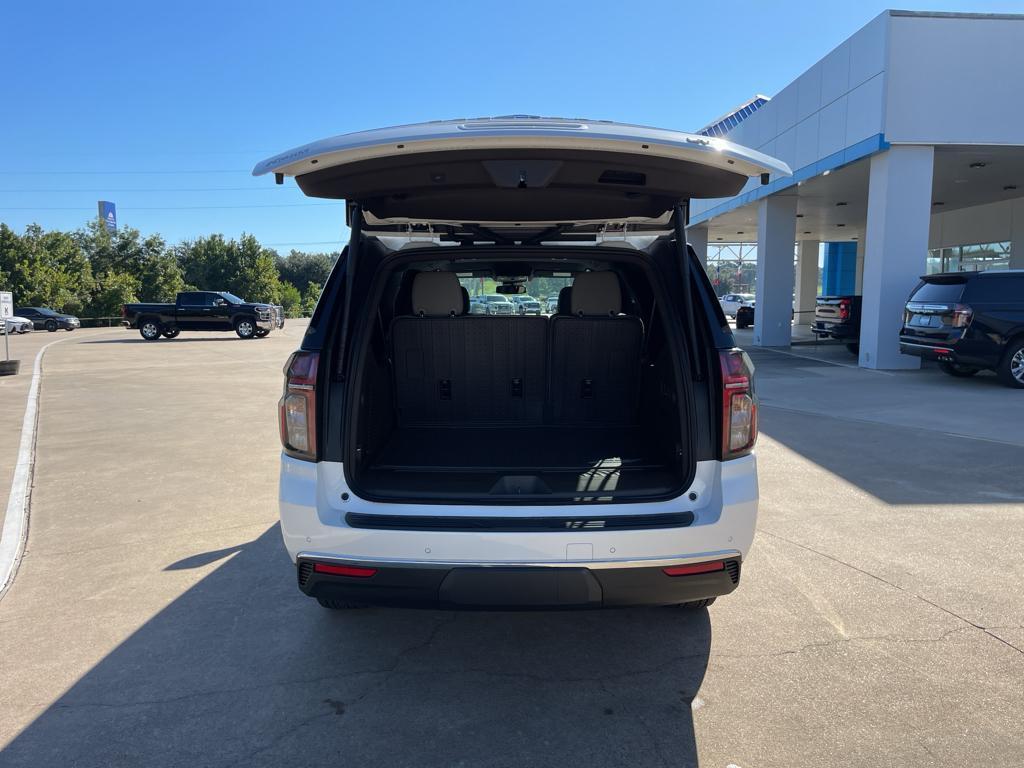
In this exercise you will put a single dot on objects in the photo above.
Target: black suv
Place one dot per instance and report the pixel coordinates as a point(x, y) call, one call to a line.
point(968, 321)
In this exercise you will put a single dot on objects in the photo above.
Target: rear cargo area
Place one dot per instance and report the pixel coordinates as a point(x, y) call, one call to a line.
point(579, 406)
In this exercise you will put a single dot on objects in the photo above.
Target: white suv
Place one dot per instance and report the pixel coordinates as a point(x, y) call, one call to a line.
point(600, 457)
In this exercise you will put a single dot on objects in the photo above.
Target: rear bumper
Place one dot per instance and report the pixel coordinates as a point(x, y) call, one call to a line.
point(499, 587)
point(966, 352)
point(835, 330)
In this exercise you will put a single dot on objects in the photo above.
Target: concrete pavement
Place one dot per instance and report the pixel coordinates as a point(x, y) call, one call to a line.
point(155, 620)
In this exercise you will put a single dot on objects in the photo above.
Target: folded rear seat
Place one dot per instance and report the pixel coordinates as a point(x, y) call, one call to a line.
point(454, 369)
point(595, 355)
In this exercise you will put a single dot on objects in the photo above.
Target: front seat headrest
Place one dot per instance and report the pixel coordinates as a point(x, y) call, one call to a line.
point(596, 293)
point(565, 301)
point(436, 294)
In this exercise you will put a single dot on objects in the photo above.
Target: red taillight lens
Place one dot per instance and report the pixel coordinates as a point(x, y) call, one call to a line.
point(297, 406)
point(962, 315)
point(689, 570)
point(844, 309)
point(344, 570)
point(739, 404)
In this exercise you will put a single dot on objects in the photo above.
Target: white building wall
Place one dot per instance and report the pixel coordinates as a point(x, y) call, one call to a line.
point(992, 223)
point(942, 86)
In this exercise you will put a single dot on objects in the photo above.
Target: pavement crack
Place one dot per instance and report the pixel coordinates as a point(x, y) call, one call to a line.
point(888, 583)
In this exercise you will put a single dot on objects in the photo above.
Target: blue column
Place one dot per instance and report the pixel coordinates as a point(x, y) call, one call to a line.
point(839, 274)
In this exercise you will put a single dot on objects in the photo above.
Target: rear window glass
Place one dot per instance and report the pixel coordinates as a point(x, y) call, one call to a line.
point(1008, 288)
point(942, 293)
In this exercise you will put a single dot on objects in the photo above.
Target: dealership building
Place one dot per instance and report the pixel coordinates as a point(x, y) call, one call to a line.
point(907, 149)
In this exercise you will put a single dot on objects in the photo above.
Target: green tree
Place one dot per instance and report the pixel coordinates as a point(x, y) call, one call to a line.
point(300, 269)
point(256, 278)
point(291, 299)
point(112, 289)
point(309, 300)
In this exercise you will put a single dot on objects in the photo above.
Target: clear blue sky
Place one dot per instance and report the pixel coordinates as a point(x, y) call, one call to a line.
point(182, 98)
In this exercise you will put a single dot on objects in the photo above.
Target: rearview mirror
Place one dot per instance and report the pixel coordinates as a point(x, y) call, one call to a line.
point(511, 288)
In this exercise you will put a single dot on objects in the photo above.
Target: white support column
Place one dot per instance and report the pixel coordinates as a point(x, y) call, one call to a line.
point(895, 249)
point(776, 237)
point(698, 239)
point(806, 280)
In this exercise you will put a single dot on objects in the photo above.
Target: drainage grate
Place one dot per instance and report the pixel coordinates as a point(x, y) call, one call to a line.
point(305, 571)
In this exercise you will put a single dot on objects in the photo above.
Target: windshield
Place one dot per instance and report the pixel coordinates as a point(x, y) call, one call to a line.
point(232, 298)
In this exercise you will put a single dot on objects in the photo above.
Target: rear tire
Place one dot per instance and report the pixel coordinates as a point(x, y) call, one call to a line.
point(694, 605)
point(958, 371)
point(170, 333)
point(150, 330)
point(261, 333)
point(335, 604)
point(245, 328)
point(1011, 368)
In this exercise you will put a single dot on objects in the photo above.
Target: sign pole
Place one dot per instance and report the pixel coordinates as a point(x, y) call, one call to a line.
point(8, 367)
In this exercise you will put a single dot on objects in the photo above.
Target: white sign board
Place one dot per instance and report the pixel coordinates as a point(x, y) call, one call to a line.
point(6, 304)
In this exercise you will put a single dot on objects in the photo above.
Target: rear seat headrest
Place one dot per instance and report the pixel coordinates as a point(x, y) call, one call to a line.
point(436, 294)
point(596, 293)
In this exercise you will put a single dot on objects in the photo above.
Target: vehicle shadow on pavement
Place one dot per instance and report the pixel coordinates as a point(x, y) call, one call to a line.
point(244, 670)
point(900, 464)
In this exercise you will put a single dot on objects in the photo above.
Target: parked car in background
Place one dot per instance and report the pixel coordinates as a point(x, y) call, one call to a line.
point(203, 311)
point(47, 319)
point(968, 321)
point(496, 304)
point(525, 305)
point(745, 316)
point(731, 302)
point(552, 304)
point(838, 317)
point(15, 324)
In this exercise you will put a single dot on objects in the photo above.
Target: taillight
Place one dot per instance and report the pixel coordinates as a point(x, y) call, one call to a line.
point(297, 406)
point(844, 309)
point(962, 315)
point(739, 404)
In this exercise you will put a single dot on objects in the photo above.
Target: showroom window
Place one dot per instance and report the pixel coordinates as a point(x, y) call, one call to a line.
point(969, 258)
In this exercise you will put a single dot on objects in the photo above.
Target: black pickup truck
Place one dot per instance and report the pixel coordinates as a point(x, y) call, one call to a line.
point(203, 311)
point(838, 317)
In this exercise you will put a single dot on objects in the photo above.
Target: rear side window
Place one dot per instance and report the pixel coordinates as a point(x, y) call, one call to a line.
point(1002, 290)
point(939, 293)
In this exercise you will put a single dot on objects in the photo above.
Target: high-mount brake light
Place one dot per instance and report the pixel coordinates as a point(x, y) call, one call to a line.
point(739, 404)
point(297, 406)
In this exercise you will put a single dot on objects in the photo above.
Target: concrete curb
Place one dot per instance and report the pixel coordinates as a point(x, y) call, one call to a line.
point(14, 534)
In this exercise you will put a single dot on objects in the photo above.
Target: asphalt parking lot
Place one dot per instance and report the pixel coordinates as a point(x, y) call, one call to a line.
point(155, 619)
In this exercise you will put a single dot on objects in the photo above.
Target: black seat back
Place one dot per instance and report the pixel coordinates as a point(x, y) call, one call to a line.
point(452, 368)
point(595, 355)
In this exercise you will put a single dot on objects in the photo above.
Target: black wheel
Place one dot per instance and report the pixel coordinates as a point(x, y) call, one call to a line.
point(51, 325)
point(1011, 368)
point(695, 604)
point(261, 333)
point(741, 325)
point(959, 371)
point(336, 604)
point(853, 348)
point(150, 330)
point(170, 333)
point(245, 328)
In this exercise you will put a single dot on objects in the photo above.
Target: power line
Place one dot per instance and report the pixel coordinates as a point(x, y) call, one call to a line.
point(116, 173)
point(179, 207)
point(155, 189)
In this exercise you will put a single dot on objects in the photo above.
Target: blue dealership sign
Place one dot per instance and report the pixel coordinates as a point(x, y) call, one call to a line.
point(108, 215)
